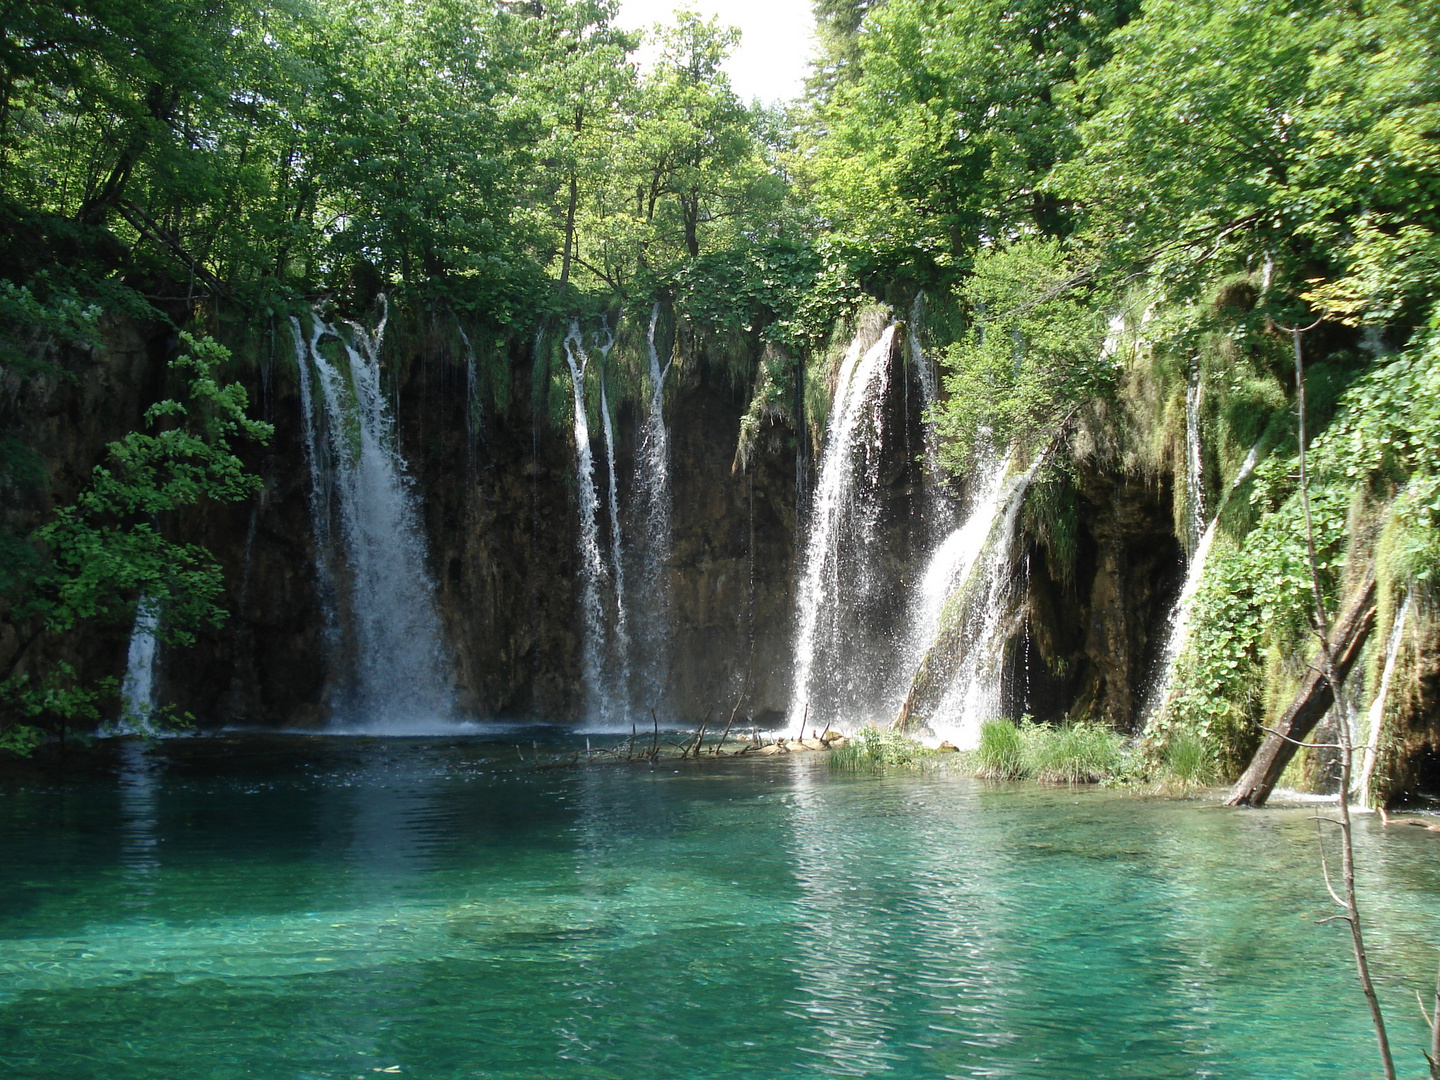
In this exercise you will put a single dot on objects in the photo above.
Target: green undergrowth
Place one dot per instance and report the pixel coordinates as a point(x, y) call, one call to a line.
point(1374, 500)
point(1081, 753)
point(875, 750)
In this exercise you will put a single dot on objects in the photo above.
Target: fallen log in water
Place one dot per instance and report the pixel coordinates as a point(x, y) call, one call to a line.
point(1313, 701)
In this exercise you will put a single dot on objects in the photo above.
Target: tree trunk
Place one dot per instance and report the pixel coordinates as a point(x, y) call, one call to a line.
point(1311, 703)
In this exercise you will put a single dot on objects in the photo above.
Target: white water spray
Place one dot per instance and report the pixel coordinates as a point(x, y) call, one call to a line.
point(384, 600)
point(974, 694)
point(653, 500)
point(842, 509)
point(137, 690)
point(621, 640)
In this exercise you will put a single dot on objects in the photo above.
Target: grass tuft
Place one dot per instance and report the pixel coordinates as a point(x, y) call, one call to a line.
point(1001, 753)
point(1074, 754)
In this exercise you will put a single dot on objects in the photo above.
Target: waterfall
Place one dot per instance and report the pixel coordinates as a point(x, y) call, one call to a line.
point(386, 627)
point(842, 520)
point(923, 367)
point(1376, 714)
point(652, 499)
point(320, 495)
point(1180, 614)
point(137, 690)
point(621, 641)
point(1194, 480)
point(474, 415)
point(950, 565)
point(592, 566)
point(974, 694)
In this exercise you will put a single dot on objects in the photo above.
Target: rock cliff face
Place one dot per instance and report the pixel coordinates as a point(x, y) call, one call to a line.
point(1089, 647)
point(501, 525)
point(499, 509)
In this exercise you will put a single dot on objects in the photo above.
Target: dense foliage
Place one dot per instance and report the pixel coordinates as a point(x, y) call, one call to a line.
point(1190, 175)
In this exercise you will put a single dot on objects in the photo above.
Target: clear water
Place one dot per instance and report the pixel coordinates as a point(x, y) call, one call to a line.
point(328, 907)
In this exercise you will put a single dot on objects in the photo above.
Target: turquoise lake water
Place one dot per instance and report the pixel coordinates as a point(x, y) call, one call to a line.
point(307, 907)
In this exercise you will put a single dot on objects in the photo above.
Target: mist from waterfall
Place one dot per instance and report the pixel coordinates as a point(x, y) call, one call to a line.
point(830, 676)
point(652, 503)
point(377, 596)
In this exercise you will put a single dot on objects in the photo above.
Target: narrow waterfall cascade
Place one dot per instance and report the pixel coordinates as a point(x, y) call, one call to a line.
point(951, 563)
point(592, 567)
point(1194, 478)
point(137, 689)
point(939, 507)
point(620, 640)
point(317, 459)
point(652, 501)
point(474, 414)
point(1194, 573)
point(387, 629)
point(923, 367)
point(836, 573)
point(974, 693)
point(1375, 715)
point(599, 708)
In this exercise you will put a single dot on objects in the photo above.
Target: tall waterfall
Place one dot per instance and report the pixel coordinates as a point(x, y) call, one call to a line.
point(974, 694)
point(1194, 573)
point(652, 501)
point(137, 690)
point(1375, 716)
point(317, 458)
point(621, 639)
point(842, 519)
point(592, 566)
point(381, 614)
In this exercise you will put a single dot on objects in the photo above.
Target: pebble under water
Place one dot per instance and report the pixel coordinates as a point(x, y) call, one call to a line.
point(308, 907)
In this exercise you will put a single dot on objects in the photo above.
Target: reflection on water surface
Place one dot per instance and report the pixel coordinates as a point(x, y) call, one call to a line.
point(327, 907)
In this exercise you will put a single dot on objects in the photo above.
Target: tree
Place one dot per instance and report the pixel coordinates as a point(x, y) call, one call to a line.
point(105, 551)
point(942, 141)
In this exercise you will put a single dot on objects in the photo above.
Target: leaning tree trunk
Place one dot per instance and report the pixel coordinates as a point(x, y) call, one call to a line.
point(1312, 702)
